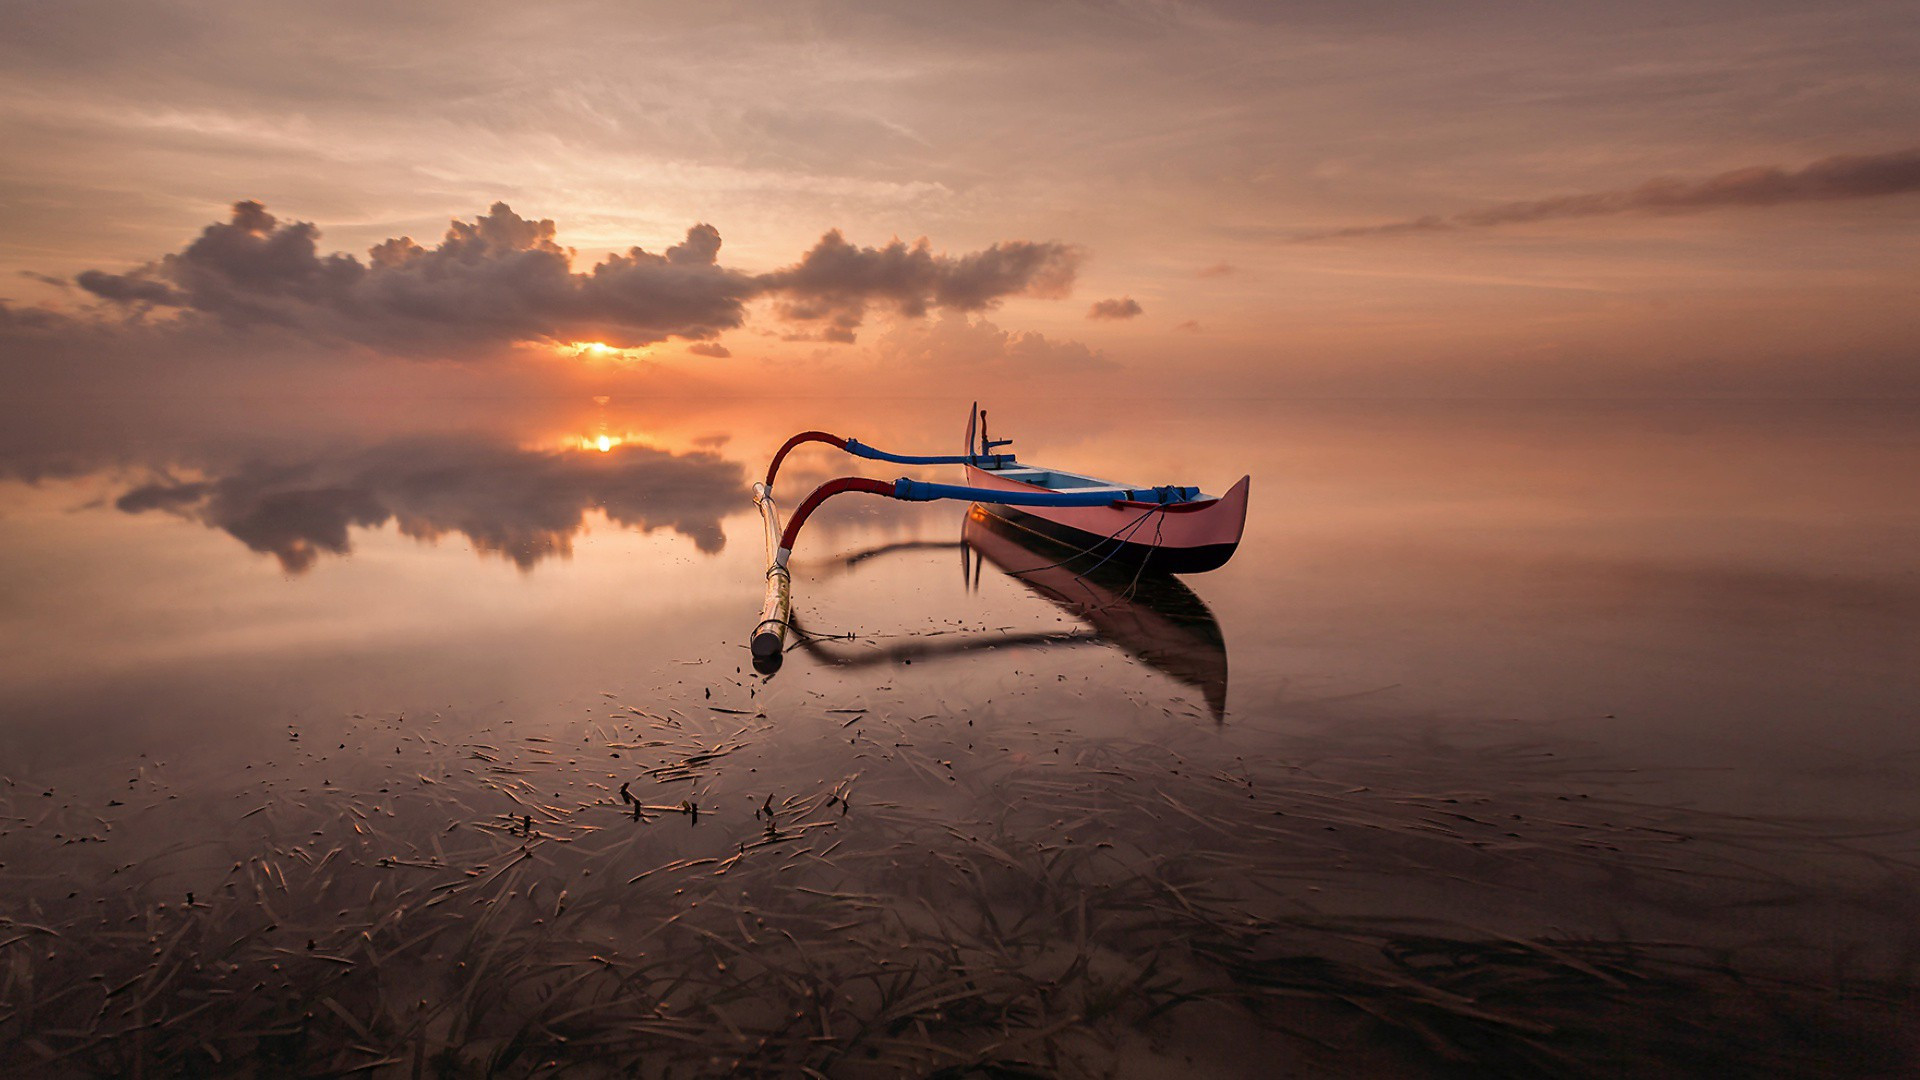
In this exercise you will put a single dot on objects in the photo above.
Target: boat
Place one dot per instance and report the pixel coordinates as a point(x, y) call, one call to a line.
point(1164, 529)
point(1189, 533)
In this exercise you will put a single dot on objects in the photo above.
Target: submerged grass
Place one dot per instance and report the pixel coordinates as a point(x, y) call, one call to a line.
point(651, 906)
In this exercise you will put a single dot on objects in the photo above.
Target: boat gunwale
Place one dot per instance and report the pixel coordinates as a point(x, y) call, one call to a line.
point(1201, 501)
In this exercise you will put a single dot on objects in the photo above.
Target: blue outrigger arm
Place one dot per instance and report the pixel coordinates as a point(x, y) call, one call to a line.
point(860, 449)
point(922, 491)
point(985, 461)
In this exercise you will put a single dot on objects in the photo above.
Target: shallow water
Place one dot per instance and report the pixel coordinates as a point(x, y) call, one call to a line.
point(1534, 737)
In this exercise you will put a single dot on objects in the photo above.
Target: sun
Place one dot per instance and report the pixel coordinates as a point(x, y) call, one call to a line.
point(605, 442)
point(600, 350)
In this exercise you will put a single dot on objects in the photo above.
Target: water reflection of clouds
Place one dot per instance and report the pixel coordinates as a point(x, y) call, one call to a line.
point(524, 505)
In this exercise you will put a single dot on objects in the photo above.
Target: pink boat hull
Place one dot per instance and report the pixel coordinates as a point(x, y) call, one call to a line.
point(1183, 538)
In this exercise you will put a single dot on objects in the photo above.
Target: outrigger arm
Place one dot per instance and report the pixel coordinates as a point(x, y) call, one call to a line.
point(769, 635)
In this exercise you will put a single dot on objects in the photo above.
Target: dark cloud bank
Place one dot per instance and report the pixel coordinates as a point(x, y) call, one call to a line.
point(523, 505)
point(502, 278)
point(1846, 176)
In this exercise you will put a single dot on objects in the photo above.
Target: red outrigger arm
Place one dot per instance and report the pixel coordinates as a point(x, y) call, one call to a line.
point(773, 467)
point(821, 494)
point(769, 635)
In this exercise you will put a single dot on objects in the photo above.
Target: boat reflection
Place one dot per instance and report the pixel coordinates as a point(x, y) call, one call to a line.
point(1153, 618)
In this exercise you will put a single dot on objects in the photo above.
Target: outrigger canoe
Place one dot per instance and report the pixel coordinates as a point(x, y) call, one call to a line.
point(1171, 528)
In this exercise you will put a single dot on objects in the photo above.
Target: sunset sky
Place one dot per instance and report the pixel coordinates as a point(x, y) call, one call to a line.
point(1290, 198)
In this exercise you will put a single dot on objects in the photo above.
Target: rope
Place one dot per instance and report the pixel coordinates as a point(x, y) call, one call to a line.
point(1120, 544)
point(1133, 587)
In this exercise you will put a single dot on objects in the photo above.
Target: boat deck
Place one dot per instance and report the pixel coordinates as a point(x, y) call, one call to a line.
point(1056, 480)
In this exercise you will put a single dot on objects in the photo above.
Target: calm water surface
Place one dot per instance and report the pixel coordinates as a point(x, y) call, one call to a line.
point(1532, 737)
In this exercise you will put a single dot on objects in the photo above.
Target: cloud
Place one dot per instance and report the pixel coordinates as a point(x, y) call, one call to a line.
point(503, 279)
point(500, 278)
point(163, 496)
point(1219, 269)
point(974, 344)
point(134, 288)
point(829, 289)
point(1191, 326)
point(1845, 176)
point(523, 505)
point(1125, 307)
point(709, 348)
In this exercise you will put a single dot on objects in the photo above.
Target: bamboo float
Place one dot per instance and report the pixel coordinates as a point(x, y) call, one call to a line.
point(770, 634)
